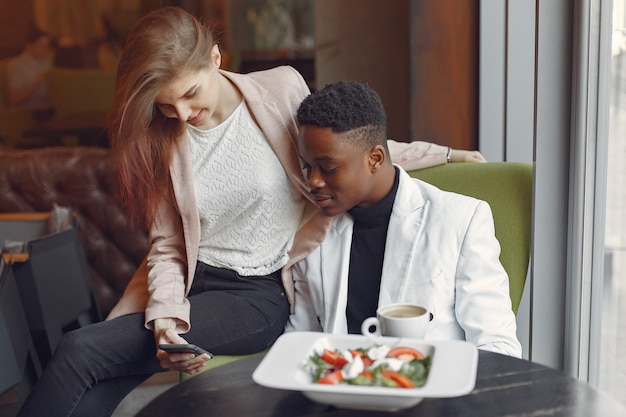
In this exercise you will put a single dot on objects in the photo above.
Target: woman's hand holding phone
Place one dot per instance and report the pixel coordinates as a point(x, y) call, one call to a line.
point(184, 348)
point(190, 360)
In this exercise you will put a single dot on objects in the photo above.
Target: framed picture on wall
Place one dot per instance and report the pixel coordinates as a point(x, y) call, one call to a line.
point(270, 25)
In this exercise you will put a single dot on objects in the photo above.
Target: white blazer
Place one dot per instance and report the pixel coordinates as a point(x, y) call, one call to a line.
point(441, 253)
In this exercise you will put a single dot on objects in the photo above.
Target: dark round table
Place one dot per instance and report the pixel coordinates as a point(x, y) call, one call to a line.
point(505, 386)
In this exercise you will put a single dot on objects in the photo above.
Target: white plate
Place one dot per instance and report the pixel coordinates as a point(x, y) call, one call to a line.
point(452, 372)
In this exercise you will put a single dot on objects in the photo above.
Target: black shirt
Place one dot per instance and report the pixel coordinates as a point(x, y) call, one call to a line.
point(366, 258)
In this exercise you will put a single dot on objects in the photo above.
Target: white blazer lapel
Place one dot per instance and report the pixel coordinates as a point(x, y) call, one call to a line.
point(335, 275)
point(406, 225)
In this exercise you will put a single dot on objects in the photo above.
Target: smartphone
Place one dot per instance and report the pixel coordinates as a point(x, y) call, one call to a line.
point(185, 348)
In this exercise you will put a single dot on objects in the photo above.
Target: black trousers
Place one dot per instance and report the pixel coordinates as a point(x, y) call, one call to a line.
point(96, 366)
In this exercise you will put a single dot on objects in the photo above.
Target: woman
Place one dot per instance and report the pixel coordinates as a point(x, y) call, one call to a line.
point(207, 160)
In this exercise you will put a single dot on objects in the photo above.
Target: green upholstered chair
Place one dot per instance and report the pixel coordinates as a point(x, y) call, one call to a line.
point(507, 187)
point(219, 360)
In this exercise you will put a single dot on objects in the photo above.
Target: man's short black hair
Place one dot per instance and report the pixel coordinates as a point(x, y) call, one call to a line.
point(346, 106)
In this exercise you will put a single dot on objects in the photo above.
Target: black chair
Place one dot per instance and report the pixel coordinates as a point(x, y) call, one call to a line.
point(54, 283)
point(19, 361)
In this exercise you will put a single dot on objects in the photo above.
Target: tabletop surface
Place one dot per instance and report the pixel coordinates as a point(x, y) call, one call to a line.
point(505, 386)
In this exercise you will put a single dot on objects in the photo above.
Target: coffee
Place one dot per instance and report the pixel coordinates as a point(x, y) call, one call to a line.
point(403, 311)
point(399, 320)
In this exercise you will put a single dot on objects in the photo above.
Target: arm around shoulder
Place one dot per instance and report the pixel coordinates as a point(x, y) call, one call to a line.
point(418, 154)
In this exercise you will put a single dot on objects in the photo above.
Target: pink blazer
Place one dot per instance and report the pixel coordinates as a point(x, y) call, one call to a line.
point(160, 285)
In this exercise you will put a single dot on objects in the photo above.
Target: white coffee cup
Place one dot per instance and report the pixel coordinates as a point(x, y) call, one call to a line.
point(398, 320)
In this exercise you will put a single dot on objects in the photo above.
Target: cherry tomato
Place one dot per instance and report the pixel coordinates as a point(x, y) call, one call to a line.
point(367, 374)
point(332, 378)
point(367, 361)
point(334, 358)
point(407, 354)
point(400, 380)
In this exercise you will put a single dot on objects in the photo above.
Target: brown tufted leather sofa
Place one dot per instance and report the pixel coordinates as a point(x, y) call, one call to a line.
point(83, 178)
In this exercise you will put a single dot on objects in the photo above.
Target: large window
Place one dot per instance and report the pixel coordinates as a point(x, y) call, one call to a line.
point(612, 344)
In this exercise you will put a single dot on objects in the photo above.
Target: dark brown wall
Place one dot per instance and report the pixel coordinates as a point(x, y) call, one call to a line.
point(15, 18)
point(421, 56)
point(444, 62)
point(367, 40)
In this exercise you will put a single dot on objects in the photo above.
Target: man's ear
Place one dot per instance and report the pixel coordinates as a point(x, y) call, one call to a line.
point(377, 157)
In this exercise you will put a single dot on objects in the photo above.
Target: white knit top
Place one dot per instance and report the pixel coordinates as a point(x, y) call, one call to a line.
point(249, 210)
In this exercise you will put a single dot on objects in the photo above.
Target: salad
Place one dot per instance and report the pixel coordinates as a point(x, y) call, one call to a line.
point(381, 366)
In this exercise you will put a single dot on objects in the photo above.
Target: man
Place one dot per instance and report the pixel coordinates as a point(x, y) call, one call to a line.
point(393, 238)
point(26, 73)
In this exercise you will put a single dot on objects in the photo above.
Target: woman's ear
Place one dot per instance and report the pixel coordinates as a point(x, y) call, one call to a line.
point(216, 56)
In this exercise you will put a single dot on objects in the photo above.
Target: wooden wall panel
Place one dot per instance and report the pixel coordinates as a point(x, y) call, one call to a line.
point(16, 18)
point(420, 55)
point(367, 40)
point(444, 71)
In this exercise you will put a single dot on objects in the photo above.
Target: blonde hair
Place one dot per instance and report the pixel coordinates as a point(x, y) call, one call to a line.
point(160, 46)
